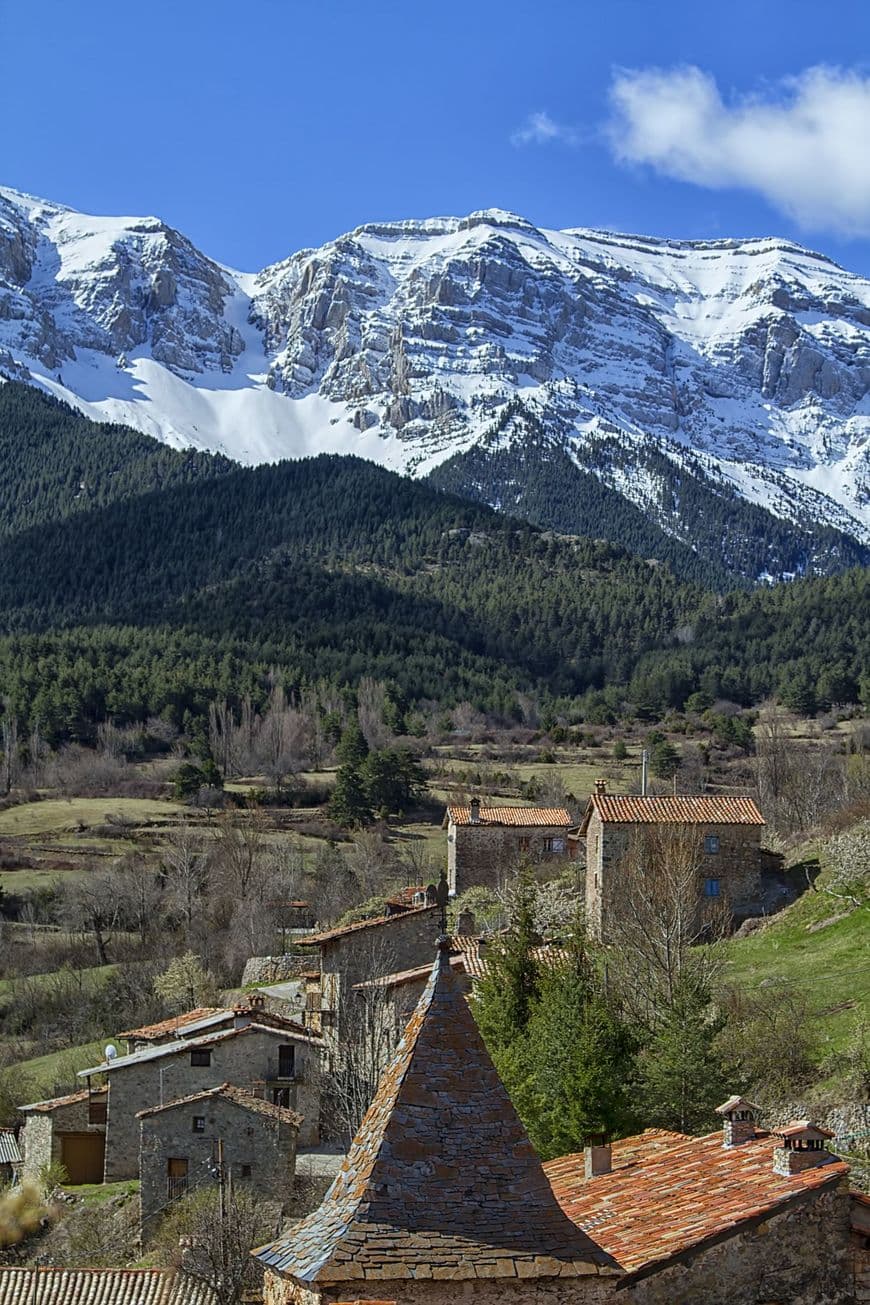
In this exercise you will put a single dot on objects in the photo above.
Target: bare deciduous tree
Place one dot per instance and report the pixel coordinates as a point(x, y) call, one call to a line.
point(661, 917)
point(185, 875)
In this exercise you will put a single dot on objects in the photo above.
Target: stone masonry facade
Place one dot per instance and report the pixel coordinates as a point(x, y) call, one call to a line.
point(259, 1151)
point(43, 1133)
point(736, 865)
point(241, 1059)
point(488, 855)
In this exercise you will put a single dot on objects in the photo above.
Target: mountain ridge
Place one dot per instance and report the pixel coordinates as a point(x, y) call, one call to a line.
point(743, 363)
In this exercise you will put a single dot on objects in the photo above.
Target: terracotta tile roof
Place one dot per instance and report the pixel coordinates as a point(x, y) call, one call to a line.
point(667, 1193)
point(441, 1179)
point(400, 977)
point(54, 1103)
point(474, 952)
point(185, 1045)
point(696, 809)
point(238, 1096)
point(518, 816)
point(328, 935)
point(405, 896)
point(153, 1032)
point(100, 1287)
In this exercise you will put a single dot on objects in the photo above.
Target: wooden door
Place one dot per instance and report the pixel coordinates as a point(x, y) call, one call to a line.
point(82, 1156)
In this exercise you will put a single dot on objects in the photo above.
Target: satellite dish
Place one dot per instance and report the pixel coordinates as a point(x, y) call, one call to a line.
point(111, 1052)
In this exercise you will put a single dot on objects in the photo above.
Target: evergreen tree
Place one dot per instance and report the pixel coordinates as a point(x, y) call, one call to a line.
point(505, 997)
point(682, 1076)
point(352, 748)
point(349, 804)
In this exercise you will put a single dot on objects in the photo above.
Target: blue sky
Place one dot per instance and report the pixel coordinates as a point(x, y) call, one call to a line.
point(262, 127)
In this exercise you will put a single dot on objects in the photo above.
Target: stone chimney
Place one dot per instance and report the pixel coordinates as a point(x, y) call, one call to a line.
point(474, 809)
point(739, 1118)
point(597, 1155)
point(802, 1146)
point(600, 787)
point(466, 922)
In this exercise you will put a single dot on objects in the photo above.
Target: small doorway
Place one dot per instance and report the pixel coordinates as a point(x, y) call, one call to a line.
point(176, 1177)
point(82, 1156)
point(287, 1061)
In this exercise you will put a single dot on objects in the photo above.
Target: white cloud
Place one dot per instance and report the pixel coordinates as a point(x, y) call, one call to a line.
point(804, 144)
point(540, 129)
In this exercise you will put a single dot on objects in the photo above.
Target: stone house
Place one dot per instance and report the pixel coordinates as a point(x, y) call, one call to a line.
point(68, 1131)
point(10, 1157)
point(727, 832)
point(353, 953)
point(486, 844)
point(442, 1197)
point(184, 1143)
point(283, 1062)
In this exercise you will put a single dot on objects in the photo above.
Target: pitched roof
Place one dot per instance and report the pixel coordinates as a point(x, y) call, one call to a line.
point(152, 1032)
point(687, 809)
point(54, 1103)
point(100, 1287)
point(441, 1175)
point(9, 1152)
point(517, 816)
point(667, 1193)
point(328, 935)
point(238, 1096)
point(184, 1045)
point(474, 952)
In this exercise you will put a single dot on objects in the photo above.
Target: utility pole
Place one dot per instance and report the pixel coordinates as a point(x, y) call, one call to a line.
point(222, 1199)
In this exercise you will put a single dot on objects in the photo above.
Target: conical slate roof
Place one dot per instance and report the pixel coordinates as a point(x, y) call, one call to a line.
point(441, 1179)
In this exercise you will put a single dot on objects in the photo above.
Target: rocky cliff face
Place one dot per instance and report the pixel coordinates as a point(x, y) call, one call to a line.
point(746, 362)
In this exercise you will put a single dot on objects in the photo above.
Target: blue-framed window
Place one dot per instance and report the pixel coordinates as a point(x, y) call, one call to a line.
point(711, 887)
point(711, 843)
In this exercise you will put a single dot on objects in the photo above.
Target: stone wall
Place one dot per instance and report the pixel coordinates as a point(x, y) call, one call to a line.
point(267, 1145)
point(799, 1256)
point(41, 1138)
point(489, 854)
point(737, 865)
point(262, 970)
point(249, 1055)
point(401, 942)
point(589, 1289)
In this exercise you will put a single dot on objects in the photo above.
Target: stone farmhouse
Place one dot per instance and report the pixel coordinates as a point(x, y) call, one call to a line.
point(343, 957)
point(278, 1058)
point(485, 844)
point(225, 1130)
point(48, 1286)
point(728, 835)
point(68, 1131)
point(442, 1197)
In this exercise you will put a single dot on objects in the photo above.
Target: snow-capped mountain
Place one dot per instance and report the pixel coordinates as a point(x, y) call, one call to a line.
point(742, 363)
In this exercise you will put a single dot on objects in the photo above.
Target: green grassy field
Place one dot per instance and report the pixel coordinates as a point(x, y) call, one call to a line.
point(69, 814)
point(40, 1073)
point(830, 964)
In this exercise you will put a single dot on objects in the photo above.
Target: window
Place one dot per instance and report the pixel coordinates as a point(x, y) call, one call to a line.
point(286, 1062)
point(199, 1123)
point(711, 887)
point(201, 1057)
point(245, 1171)
point(524, 843)
point(711, 843)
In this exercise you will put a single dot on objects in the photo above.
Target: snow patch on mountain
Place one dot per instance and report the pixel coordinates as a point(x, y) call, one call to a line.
point(406, 342)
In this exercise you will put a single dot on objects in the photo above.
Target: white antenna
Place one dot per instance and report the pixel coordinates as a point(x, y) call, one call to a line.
point(111, 1052)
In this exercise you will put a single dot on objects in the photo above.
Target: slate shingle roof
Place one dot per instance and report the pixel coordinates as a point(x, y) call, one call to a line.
point(441, 1179)
point(667, 1192)
point(100, 1287)
point(688, 809)
point(517, 816)
point(239, 1096)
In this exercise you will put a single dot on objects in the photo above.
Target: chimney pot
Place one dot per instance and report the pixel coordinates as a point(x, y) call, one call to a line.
point(802, 1147)
point(598, 1156)
point(601, 787)
point(474, 811)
